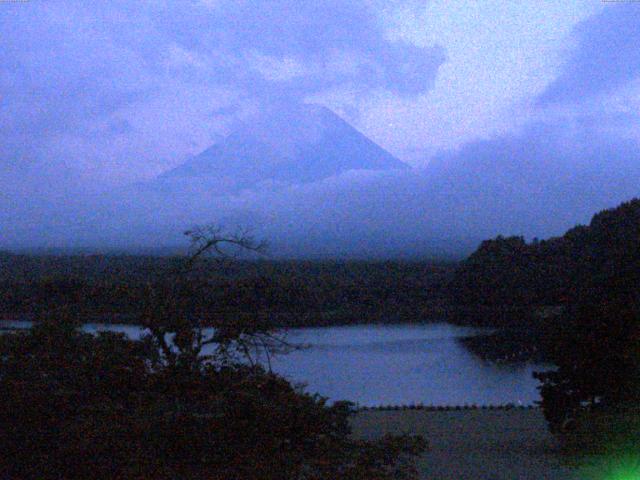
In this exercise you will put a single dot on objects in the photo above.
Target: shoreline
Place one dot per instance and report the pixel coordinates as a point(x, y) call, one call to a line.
point(130, 321)
point(477, 444)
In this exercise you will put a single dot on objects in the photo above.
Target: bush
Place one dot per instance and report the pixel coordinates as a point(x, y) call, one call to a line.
point(596, 348)
point(79, 406)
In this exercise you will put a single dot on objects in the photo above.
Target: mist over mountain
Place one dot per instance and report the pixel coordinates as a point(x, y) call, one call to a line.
point(348, 197)
point(538, 183)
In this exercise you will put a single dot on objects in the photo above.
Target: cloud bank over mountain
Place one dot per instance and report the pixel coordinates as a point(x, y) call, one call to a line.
point(527, 126)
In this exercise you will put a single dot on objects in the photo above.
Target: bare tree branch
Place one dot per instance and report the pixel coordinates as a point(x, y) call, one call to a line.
point(162, 315)
point(210, 238)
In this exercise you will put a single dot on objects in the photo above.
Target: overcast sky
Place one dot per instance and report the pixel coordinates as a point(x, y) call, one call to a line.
point(109, 92)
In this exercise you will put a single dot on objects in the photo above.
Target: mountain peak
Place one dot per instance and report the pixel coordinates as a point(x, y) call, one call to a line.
point(303, 144)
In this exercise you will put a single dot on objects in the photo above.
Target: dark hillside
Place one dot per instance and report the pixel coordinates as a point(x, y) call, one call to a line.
point(587, 260)
point(529, 290)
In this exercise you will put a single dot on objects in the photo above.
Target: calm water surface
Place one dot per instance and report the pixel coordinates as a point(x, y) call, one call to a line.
point(394, 364)
point(403, 364)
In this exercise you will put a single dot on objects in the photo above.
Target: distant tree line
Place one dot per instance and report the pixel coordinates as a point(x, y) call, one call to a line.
point(290, 293)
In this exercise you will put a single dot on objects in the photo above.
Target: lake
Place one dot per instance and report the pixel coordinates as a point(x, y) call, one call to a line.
point(393, 364)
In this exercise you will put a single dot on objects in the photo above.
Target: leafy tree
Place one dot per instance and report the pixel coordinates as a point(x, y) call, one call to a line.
point(587, 261)
point(77, 405)
point(596, 348)
point(596, 343)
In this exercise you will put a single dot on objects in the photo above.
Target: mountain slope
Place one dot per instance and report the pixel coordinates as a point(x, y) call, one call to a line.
point(300, 145)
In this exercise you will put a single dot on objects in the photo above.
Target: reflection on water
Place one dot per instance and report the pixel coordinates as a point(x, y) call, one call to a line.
point(392, 364)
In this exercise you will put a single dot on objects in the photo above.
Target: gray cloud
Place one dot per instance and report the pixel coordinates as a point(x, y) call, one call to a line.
point(76, 69)
point(605, 58)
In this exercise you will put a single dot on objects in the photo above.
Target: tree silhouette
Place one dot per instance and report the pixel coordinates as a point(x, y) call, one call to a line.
point(77, 405)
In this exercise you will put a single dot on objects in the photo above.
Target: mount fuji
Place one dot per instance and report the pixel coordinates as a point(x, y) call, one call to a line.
point(298, 145)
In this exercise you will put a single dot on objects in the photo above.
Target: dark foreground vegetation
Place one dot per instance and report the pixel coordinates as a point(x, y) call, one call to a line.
point(78, 406)
point(287, 293)
point(575, 300)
